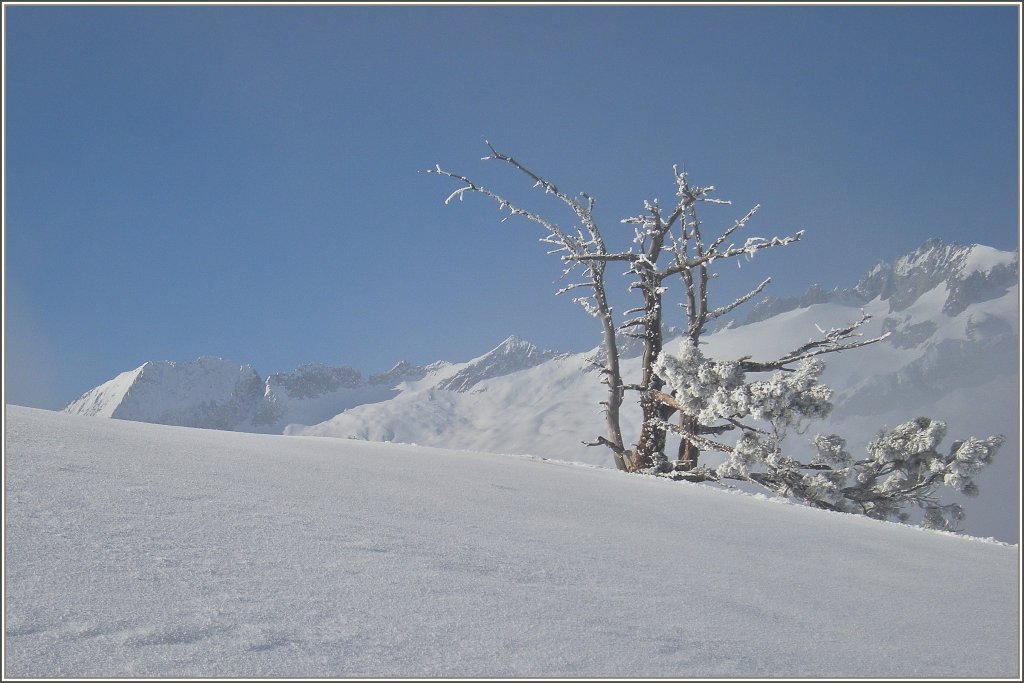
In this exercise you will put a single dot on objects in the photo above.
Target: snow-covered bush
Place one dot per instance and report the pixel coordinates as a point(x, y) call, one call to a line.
point(904, 467)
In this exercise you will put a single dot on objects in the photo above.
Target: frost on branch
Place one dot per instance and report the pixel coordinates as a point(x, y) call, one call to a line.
point(787, 399)
point(905, 467)
point(750, 449)
point(711, 390)
point(831, 451)
point(704, 388)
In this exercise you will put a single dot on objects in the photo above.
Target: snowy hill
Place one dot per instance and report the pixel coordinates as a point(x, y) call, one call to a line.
point(953, 315)
point(141, 550)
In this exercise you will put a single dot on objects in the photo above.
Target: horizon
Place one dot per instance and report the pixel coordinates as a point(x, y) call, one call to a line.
point(245, 182)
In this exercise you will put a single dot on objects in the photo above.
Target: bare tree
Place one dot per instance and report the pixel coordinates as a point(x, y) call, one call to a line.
point(667, 244)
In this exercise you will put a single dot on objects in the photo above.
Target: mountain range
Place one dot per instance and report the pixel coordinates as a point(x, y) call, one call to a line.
point(952, 312)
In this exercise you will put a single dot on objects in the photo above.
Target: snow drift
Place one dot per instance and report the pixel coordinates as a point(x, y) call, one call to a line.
point(145, 550)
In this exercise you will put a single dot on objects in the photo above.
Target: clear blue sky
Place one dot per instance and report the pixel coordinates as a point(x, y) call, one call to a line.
point(244, 181)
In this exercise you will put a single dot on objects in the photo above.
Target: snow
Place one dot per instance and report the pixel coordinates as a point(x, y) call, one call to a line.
point(983, 258)
point(105, 399)
point(135, 549)
point(207, 392)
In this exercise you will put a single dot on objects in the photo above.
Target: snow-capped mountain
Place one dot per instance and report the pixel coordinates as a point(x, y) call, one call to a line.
point(218, 394)
point(952, 313)
point(208, 392)
point(512, 355)
point(971, 274)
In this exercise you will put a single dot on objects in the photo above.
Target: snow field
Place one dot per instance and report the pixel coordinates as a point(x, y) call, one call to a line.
point(144, 550)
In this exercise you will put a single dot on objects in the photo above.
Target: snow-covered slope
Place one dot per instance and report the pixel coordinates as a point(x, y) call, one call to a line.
point(140, 550)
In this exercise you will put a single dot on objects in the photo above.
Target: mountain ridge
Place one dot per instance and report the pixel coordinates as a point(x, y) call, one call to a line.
point(970, 272)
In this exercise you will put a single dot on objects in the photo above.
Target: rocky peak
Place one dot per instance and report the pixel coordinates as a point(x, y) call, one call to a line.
point(512, 355)
point(314, 379)
point(402, 371)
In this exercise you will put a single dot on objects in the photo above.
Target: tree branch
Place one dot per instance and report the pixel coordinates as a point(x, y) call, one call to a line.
point(831, 342)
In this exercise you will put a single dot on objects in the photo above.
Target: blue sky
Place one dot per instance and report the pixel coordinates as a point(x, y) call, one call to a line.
point(245, 181)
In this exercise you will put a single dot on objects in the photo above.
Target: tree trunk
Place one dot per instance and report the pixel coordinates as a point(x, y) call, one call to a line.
point(688, 452)
point(612, 374)
point(652, 437)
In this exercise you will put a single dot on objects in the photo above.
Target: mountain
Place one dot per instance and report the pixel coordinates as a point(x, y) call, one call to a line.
point(139, 551)
point(208, 392)
point(512, 355)
point(218, 394)
point(971, 274)
point(952, 312)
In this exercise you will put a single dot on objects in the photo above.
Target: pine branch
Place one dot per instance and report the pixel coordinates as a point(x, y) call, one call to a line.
point(699, 441)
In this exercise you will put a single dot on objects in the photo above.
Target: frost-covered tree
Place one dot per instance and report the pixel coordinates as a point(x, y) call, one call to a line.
point(697, 398)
